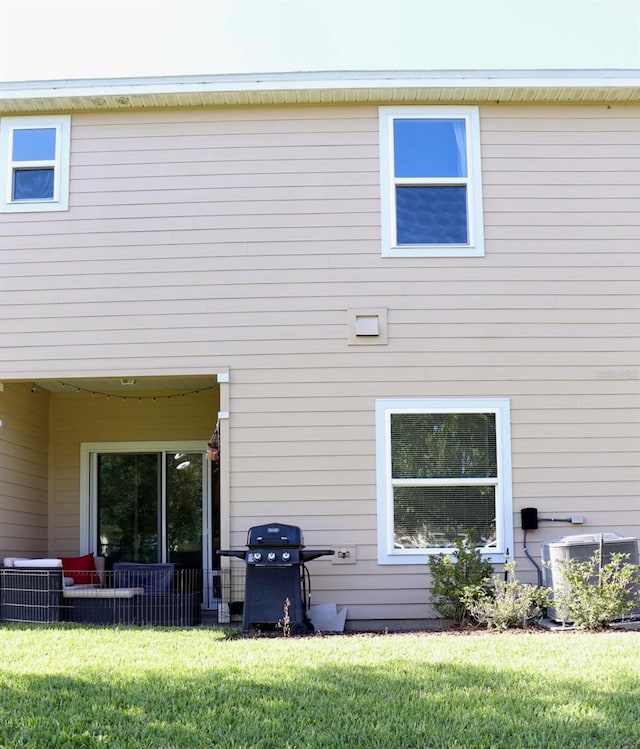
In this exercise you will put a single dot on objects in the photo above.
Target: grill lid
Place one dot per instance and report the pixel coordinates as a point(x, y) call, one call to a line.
point(275, 535)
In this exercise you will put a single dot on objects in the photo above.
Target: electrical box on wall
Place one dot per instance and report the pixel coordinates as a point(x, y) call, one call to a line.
point(529, 516)
point(529, 519)
point(344, 555)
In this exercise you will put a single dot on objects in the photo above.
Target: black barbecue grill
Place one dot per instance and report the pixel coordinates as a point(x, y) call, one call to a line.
point(275, 572)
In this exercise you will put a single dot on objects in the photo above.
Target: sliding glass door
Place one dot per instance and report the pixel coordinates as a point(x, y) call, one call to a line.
point(183, 511)
point(128, 506)
point(151, 505)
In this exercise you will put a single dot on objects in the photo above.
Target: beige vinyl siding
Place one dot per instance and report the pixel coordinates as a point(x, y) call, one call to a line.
point(83, 418)
point(24, 438)
point(242, 236)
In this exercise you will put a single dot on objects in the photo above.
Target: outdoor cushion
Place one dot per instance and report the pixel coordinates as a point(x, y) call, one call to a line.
point(81, 569)
point(8, 561)
point(87, 591)
point(53, 563)
point(154, 578)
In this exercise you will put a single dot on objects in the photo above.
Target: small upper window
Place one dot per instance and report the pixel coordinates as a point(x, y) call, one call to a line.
point(34, 157)
point(431, 183)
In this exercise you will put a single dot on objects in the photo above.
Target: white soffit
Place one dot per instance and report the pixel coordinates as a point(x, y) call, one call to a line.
point(321, 88)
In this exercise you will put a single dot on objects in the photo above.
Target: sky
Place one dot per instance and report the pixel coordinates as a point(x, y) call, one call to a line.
point(74, 39)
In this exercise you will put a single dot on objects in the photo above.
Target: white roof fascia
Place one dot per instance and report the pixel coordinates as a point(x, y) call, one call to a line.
point(377, 84)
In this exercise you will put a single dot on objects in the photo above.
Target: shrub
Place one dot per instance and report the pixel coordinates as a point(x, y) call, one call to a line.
point(592, 595)
point(508, 603)
point(452, 573)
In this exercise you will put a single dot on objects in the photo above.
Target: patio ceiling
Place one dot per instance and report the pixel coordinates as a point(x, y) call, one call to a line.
point(142, 386)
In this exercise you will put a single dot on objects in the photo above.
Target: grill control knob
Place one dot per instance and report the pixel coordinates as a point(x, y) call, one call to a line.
point(257, 556)
point(286, 556)
point(271, 556)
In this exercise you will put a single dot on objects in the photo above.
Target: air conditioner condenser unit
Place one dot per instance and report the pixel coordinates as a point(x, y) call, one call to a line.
point(581, 548)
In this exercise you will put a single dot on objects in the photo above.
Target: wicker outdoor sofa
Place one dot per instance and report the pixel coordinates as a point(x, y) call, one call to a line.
point(48, 590)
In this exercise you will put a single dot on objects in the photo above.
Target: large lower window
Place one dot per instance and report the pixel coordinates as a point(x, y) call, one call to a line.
point(430, 181)
point(444, 474)
point(34, 161)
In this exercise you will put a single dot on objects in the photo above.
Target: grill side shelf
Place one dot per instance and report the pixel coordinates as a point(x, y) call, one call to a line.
point(238, 553)
point(308, 554)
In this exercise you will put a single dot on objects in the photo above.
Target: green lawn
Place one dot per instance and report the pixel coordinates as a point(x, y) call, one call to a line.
point(189, 689)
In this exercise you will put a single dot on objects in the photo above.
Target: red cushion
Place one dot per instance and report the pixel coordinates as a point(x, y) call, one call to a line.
point(81, 569)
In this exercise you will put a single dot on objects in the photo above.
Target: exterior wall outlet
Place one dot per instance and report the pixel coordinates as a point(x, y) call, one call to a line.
point(344, 555)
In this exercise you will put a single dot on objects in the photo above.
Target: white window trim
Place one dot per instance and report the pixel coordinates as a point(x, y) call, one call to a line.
point(387, 554)
point(60, 200)
point(473, 181)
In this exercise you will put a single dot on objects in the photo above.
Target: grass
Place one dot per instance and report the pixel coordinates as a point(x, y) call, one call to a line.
point(132, 688)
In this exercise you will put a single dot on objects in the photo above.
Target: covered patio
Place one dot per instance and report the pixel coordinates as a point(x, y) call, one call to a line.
point(116, 468)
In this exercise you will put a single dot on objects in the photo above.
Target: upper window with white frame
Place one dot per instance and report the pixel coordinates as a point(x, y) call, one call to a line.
point(444, 474)
point(34, 162)
point(431, 182)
